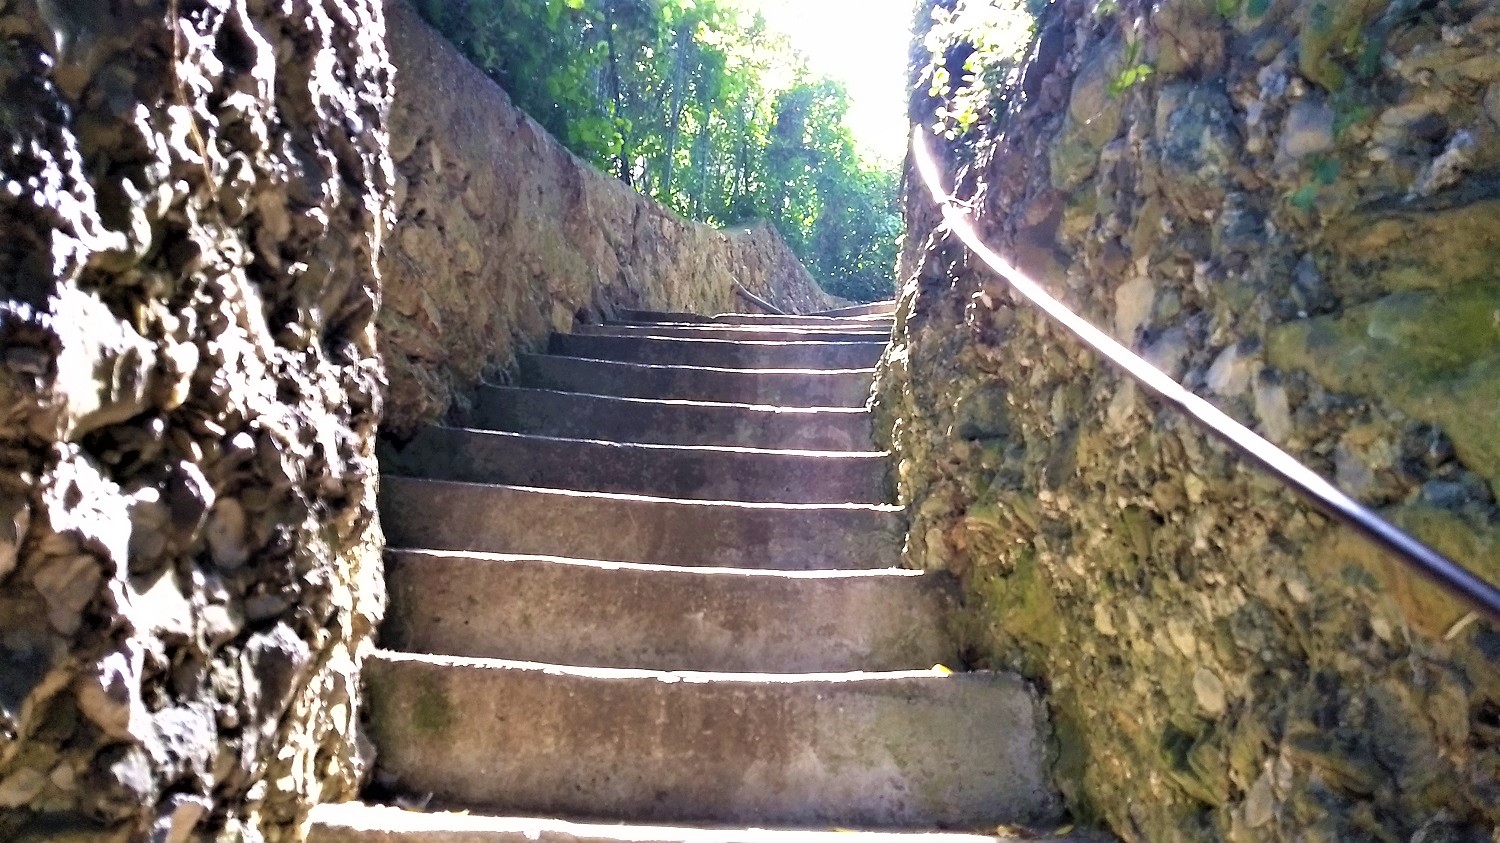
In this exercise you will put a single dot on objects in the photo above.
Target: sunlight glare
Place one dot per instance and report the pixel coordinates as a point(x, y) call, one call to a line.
point(864, 45)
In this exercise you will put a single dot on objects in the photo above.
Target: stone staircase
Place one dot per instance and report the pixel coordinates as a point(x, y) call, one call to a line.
point(654, 597)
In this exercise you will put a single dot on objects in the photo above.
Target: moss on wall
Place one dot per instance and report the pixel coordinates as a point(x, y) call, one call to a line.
point(1304, 236)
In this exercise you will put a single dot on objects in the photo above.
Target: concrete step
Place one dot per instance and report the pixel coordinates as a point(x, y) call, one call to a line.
point(829, 319)
point(774, 387)
point(734, 332)
point(660, 316)
point(603, 614)
point(878, 308)
point(841, 322)
point(729, 354)
point(695, 473)
point(886, 750)
point(440, 515)
point(573, 415)
point(356, 822)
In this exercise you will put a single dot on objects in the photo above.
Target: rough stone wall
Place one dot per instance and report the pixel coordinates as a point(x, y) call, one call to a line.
point(194, 193)
point(1298, 215)
point(503, 236)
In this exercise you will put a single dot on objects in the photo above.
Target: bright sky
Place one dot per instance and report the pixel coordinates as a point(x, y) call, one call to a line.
point(862, 43)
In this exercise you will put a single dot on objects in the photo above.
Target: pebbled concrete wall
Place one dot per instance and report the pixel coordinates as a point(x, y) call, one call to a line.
point(503, 236)
point(194, 195)
point(1294, 214)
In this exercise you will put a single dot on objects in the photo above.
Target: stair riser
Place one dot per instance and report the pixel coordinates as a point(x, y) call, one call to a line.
point(732, 332)
point(856, 322)
point(569, 415)
point(961, 751)
point(587, 466)
point(628, 380)
point(728, 354)
point(431, 515)
point(357, 823)
point(598, 616)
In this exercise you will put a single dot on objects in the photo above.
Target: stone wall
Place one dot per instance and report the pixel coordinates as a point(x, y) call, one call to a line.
point(194, 195)
point(1296, 213)
point(503, 236)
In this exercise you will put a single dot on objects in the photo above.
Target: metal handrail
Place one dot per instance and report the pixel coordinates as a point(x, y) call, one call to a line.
point(757, 300)
point(1459, 581)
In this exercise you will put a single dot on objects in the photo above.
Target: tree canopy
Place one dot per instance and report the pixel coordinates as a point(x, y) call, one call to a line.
point(698, 105)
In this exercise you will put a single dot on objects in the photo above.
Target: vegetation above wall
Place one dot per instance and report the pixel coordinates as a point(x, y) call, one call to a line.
point(695, 104)
point(969, 61)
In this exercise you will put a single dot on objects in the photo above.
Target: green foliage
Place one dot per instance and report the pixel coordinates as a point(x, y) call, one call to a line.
point(697, 105)
point(992, 36)
point(1134, 73)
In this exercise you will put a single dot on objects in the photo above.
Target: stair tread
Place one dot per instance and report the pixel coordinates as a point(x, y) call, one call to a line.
point(681, 746)
point(731, 332)
point(828, 316)
point(721, 505)
point(671, 422)
point(668, 449)
point(707, 571)
point(872, 308)
point(727, 370)
point(694, 402)
point(779, 386)
point(811, 319)
point(602, 614)
point(768, 323)
point(662, 315)
point(833, 680)
point(710, 352)
point(690, 343)
point(342, 822)
point(445, 515)
point(698, 472)
point(885, 320)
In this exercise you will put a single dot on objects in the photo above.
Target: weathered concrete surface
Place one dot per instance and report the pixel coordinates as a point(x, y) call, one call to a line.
point(695, 473)
point(503, 237)
point(359, 823)
point(193, 199)
point(726, 353)
point(434, 515)
point(595, 614)
point(876, 321)
point(632, 315)
point(1295, 215)
point(771, 387)
point(913, 750)
point(731, 332)
point(575, 416)
point(879, 308)
point(498, 580)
